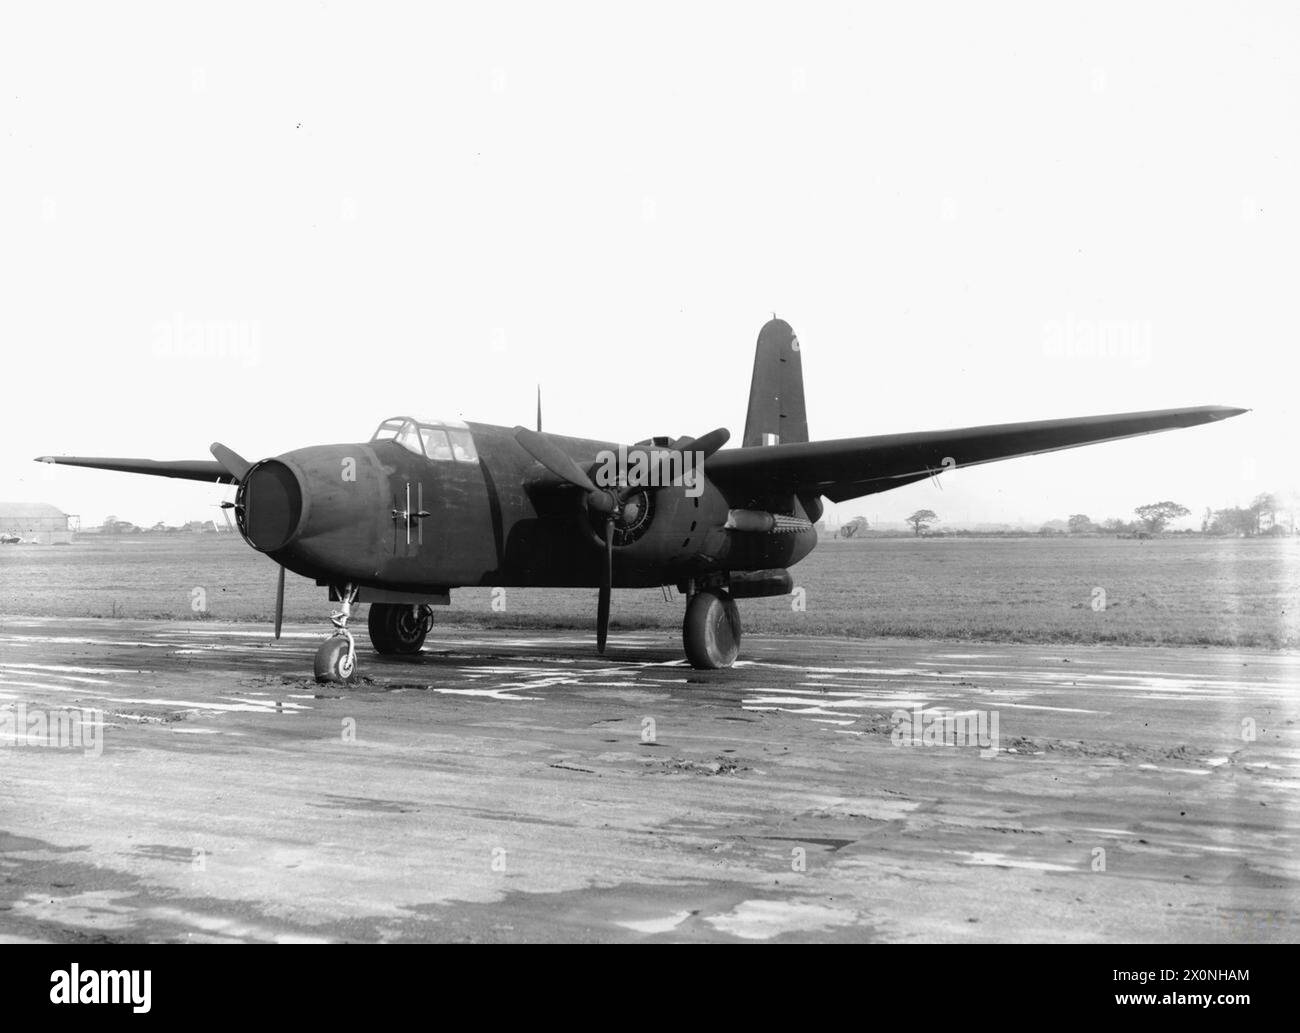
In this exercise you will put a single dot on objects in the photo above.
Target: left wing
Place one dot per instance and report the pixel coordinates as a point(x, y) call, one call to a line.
point(848, 468)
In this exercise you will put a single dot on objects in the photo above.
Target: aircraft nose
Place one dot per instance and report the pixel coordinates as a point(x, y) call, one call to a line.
point(269, 505)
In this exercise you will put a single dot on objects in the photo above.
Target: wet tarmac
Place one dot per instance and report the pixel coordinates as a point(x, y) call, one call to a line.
point(188, 781)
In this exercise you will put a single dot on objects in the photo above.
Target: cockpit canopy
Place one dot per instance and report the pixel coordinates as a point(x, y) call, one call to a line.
point(441, 440)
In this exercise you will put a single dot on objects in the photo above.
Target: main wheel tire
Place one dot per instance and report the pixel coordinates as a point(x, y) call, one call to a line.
point(399, 627)
point(335, 661)
point(711, 630)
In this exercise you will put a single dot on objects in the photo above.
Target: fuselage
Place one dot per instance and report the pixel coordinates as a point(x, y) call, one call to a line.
point(381, 514)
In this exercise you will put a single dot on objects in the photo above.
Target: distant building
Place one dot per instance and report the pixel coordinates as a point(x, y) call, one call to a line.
point(37, 522)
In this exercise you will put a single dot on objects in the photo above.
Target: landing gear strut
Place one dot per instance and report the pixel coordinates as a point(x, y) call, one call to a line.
point(399, 627)
point(711, 629)
point(336, 659)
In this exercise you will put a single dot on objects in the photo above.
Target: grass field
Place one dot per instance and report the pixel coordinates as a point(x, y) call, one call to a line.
point(1236, 592)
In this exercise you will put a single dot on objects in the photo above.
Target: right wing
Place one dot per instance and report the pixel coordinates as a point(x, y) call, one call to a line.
point(848, 468)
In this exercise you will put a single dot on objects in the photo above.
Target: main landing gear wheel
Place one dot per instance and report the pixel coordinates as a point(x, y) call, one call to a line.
point(399, 628)
point(711, 630)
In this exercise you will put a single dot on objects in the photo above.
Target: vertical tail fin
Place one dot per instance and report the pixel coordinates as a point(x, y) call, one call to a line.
point(776, 410)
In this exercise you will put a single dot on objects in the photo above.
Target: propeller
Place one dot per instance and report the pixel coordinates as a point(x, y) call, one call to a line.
point(279, 603)
point(560, 463)
point(231, 461)
point(608, 501)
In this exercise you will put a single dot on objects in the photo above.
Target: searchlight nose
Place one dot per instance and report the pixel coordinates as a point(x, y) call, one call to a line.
point(269, 505)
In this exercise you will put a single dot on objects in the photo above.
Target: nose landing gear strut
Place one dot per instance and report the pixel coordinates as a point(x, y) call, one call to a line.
point(336, 659)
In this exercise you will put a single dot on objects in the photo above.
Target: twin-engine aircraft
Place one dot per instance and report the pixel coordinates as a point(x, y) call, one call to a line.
point(428, 505)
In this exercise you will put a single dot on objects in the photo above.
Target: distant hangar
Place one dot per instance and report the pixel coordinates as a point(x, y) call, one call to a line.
point(37, 522)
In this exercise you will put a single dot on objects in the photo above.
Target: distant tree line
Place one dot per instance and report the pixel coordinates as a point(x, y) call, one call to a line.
point(113, 526)
point(1260, 517)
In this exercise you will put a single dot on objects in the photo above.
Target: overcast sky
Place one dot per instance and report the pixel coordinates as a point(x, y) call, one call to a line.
point(402, 210)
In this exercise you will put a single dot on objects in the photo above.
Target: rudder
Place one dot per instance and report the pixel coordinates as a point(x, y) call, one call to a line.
point(776, 407)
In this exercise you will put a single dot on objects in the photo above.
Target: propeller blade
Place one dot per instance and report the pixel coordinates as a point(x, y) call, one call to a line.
point(711, 442)
point(231, 461)
point(559, 462)
point(279, 603)
point(706, 443)
point(606, 582)
point(554, 458)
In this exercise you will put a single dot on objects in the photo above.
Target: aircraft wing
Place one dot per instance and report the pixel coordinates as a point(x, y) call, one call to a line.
point(186, 469)
point(847, 468)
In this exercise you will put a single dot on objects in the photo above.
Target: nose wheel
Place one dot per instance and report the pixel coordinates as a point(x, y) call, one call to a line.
point(336, 659)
